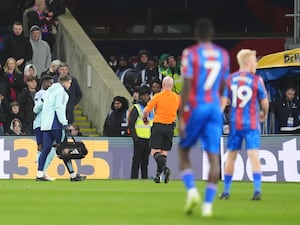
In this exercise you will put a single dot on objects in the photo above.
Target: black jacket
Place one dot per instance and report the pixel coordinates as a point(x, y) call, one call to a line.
point(17, 47)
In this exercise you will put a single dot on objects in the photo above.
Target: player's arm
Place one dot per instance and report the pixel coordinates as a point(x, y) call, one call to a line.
point(184, 95)
point(264, 105)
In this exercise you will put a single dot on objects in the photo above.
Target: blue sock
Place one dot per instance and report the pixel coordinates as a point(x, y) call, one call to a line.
point(188, 178)
point(227, 183)
point(257, 182)
point(210, 192)
point(50, 157)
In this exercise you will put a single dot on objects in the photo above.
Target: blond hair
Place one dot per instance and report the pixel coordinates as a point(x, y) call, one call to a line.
point(16, 70)
point(243, 55)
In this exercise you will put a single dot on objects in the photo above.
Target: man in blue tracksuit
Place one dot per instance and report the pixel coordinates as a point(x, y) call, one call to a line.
point(54, 123)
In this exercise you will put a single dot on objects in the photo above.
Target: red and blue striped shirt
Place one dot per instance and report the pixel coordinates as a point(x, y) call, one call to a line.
point(207, 65)
point(244, 90)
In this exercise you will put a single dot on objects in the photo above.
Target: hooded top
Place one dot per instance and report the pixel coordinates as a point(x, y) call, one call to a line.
point(41, 57)
point(27, 67)
point(55, 101)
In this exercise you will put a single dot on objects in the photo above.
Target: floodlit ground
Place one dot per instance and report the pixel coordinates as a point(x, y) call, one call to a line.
point(140, 202)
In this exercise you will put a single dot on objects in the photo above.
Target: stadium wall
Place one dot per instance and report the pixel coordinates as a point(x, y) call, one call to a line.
point(110, 158)
point(98, 82)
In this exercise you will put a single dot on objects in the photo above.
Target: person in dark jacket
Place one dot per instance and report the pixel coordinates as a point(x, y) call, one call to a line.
point(140, 135)
point(17, 46)
point(26, 101)
point(74, 91)
point(116, 121)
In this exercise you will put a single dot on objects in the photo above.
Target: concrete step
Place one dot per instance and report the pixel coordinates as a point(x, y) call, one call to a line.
point(88, 130)
point(77, 112)
point(83, 124)
point(80, 118)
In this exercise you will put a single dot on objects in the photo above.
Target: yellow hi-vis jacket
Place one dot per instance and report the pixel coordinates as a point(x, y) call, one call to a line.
point(143, 130)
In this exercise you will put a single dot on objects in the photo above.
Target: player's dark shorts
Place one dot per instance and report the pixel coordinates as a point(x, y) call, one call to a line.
point(162, 136)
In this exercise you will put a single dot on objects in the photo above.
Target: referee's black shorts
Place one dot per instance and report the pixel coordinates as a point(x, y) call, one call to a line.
point(162, 136)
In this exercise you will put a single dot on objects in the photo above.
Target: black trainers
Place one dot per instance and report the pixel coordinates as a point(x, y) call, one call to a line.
point(224, 196)
point(43, 179)
point(78, 178)
point(156, 179)
point(256, 196)
point(167, 173)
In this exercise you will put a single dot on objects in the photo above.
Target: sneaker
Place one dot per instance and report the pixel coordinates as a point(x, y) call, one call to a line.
point(167, 173)
point(224, 196)
point(192, 200)
point(156, 179)
point(44, 178)
point(48, 177)
point(77, 178)
point(256, 196)
point(207, 209)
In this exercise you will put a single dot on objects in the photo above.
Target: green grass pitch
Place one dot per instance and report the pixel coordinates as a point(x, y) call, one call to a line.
point(140, 202)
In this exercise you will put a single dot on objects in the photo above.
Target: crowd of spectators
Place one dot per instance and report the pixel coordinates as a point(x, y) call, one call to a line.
point(24, 61)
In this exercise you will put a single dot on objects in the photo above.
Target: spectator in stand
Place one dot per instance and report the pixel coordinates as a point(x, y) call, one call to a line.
point(74, 91)
point(39, 17)
point(3, 113)
point(155, 87)
point(16, 128)
point(17, 46)
point(116, 126)
point(41, 51)
point(123, 67)
point(151, 72)
point(287, 111)
point(75, 130)
point(163, 65)
point(140, 67)
point(15, 78)
point(14, 112)
point(131, 80)
point(26, 101)
point(52, 70)
point(174, 72)
point(135, 95)
point(30, 70)
point(55, 8)
point(113, 62)
point(116, 120)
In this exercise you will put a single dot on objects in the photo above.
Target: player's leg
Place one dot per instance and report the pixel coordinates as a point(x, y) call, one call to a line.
point(234, 143)
point(252, 146)
point(228, 173)
point(47, 144)
point(155, 144)
point(168, 133)
point(211, 144)
point(211, 185)
point(59, 137)
point(187, 176)
point(49, 159)
point(39, 142)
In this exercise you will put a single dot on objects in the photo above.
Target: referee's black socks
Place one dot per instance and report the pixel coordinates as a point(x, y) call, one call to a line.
point(160, 161)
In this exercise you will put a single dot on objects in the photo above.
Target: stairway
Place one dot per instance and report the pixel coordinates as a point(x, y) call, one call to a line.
point(83, 123)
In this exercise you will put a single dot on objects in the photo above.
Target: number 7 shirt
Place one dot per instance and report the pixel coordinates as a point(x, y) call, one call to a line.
point(207, 65)
point(245, 90)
